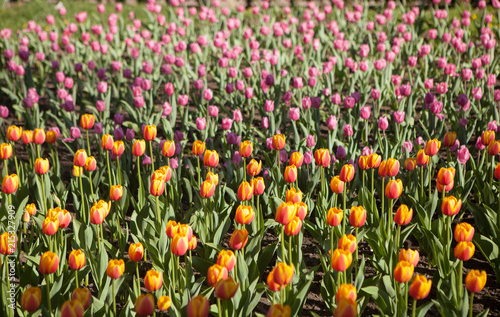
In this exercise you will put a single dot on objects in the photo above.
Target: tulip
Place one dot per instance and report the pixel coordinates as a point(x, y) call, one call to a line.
point(348, 243)
point(180, 244)
point(116, 192)
point(14, 133)
point(322, 157)
point(157, 186)
point(139, 148)
point(87, 121)
point(394, 189)
point(451, 206)
point(246, 148)
point(80, 158)
point(487, 137)
point(225, 289)
point(31, 299)
point(118, 148)
point(290, 174)
point(432, 147)
point(293, 195)
point(76, 260)
point(238, 239)
point(497, 172)
point(293, 227)
point(494, 148)
point(422, 158)
point(254, 168)
point(211, 158)
point(273, 286)
point(403, 215)
point(296, 158)
point(82, 295)
point(334, 217)
point(199, 306)
point(27, 137)
point(409, 255)
point(5, 151)
point(245, 191)
point(301, 210)
point(168, 149)
point(464, 232)
point(283, 273)
point(50, 225)
point(153, 280)
point(420, 287)
point(357, 216)
point(198, 147)
point(226, 259)
point(8, 243)
point(278, 142)
point(97, 214)
point(449, 139)
point(346, 291)
point(144, 305)
point(207, 189)
point(72, 308)
point(258, 186)
point(464, 251)
point(52, 137)
point(410, 164)
point(164, 303)
point(278, 310)
point(341, 260)
point(214, 178)
point(392, 167)
point(347, 173)
point(49, 263)
point(107, 142)
point(244, 215)
point(115, 268)
point(346, 307)
point(172, 228)
point(363, 162)
point(149, 132)
point(403, 272)
point(216, 273)
point(374, 160)
point(445, 176)
point(10, 183)
point(136, 252)
point(38, 136)
point(285, 213)
point(90, 164)
point(336, 185)
point(475, 281)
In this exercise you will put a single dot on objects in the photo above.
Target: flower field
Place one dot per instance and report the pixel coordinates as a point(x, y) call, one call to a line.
point(214, 160)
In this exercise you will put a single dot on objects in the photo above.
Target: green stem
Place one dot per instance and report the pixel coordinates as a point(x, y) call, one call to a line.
point(421, 182)
point(91, 186)
point(82, 212)
point(76, 279)
point(406, 296)
point(471, 302)
point(382, 197)
point(140, 180)
point(88, 143)
point(43, 194)
point(15, 157)
point(389, 217)
point(109, 170)
point(290, 249)
point(430, 175)
point(460, 279)
point(356, 255)
point(414, 309)
point(219, 308)
point(152, 158)
point(344, 194)
point(283, 243)
point(138, 278)
point(199, 170)
point(47, 286)
point(114, 298)
point(398, 238)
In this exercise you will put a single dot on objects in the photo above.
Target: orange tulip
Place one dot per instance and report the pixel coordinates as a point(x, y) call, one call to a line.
point(51, 137)
point(245, 191)
point(50, 225)
point(150, 132)
point(227, 259)
point(144, 305)
point(487, 137)
point(31, 299)
point(403, 215)
point(167, 172)
point(157, 186)
point(38, 136)
point(118, 148)
point(214, 178)
point(464, 232)
point(464, 250)
point(445, 176)
point(164, 303)
point(357, 217)
point(285, 213)
point(475, 281)
point(90, 164)
point(226, 288)
point(301, 210)
point(216, 273)
point(82, 295)
point(199, 306)
point(341, 260)
point(449, 139)
point(172, 228)
point(238, 239)
point(394, 189)
point(80, 158)
point(293, 195)
point(207, 189)
point(451, 206)
point(254, 168)
point(10, 183)
point(41, 166)
point(290, 174)
point(346, 291)
point(347, 173)
point(8, 243)
point(293, 227)
point(136, 252)
point(322, 157)
point(374, 160)
point(198, 147)
point(297, 159)
point(72, 308)
point(392, 167)
point(49, 262)
point(115, 268)
point(211, 158)
point(497, 171)
point(87, 121)
point(403, 272)
point(278, 142)
point(432, 147)
point(336, 185)
point(76, 259)
point(138, 148)
point(334, 217)
point(348, 243)
point(283, 273)
point(246, 148)
point(273, 286)
point(107, 142)
point(5, 151)
point(14, 133)
point(493, 147)
point(278, 310)
point(420, 287)
point(27, 137)
point(180, 244)
point(346, 307)
point(99, 211)
point(409, 255)
point(116, 192)
point(153, 280)
point(363, 162)
point(410, 164)
point(258, 185)
point(168, 149)
point(244, 215)
point(31, 209)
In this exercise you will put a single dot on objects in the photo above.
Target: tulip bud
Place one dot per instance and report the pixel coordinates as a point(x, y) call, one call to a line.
point(76, 259)
point(403, 215)
point(157, 186)
point(225, 289)
point(8, 243)
point(285, 213)
point(198, 147)
point(254, 168)
point(283, 273)
point(374, 160)
point(290, 174)
point(475, 281)
point(27, 137)
point(432, 147)
point(90, 164)
point(357, 216)
point(153, 280)
point(207, 189)
point(446, 175)
point(149, 132)
point(394, 189)
point(138, 148)
point(115, 268)
point(87, 121)
point(336, 185)
point(347, 173)
point(258, 185)
point(293, 227)
point(348, 243)
point(211, 158)
point(410, 164)
point(136, 252)
point(180, 244)
point(198, 307)
point(51, 137)
point(403, 272)
point(80, 158)
point(346, 291)
point(244, 215)
point(449, 139)
point(107, 142)
point(82, 295)
point(10, 183)
point(144, 305)
point(487, 137)
point(49, 262)
point(164, 303)
point(41, 166)
point(38, 136)
point(31, 299)
point(464, 250)
point(116, 192)
point(5, 151)
point(420, 287)
point(245, 191)
point(14, 133)
point(50, 225)
point(214, 178)
point(346, 307)
point(464, 232)
point(246, 148)
point(72, 308)
point(278, 310)
point(296, 158)
point(293, 195)
point(341, 260)
point(278, 142)
point(226, 259)
point(118, 148)
point(216, 273)
point(322, 157)
point(334, 217)
point(238, 239)
point(451, 206)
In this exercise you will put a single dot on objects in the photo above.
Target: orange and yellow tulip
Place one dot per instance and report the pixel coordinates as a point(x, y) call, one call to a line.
point(115, 268)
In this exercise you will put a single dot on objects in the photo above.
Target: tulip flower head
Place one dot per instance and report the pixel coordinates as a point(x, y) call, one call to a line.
point(394, 189)
point(10, 183)
point(245, 191)
point(348, 243)
point(76, 259)
point(357, 217)
point(278, 310)
point(164, 303)
point(246, 148)
point(225, 289)
point(403, 215)
point(49, 262)
point(87, 121)
point(403, 271)
point(227, 259)
point(341, 260)
point(238, 239)
point(475, 281)
point(72, 308)
point(322, 157)
point(432, 147)
point(464, 232)
point(334, 217)
point(216, 273)
point(139, 148)
point(278, 142)
point(211, 158)
point(420, 287)
point(347, 173)
point(136, 252)
point(199, 306)
point(83, 295)
point(115, 268)
point(346, 307)
point(451, 206)
point(254, 167)
point(31, 299)
point(244, 215)
point(464, 250)
point(153, 280)
point(346, 291)
point(198, 147)
point(144, 305)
